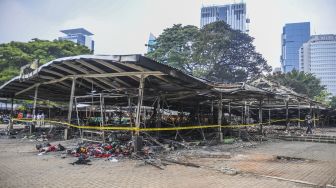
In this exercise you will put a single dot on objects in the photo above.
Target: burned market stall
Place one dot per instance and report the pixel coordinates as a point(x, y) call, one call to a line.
point(133, 84)
point(134, 96)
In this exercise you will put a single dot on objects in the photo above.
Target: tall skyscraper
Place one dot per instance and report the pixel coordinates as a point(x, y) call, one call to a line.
point(232, 14)
point(318, 56)
point(292, 38)
point(151, 42)
point(80, 36)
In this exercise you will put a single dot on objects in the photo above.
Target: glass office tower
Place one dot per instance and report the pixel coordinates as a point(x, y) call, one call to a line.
point(232, 14)
point(318, 56)
point(292, 38)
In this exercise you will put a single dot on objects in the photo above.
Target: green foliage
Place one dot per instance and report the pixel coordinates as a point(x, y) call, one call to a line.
point(175, 47)
point(300, 82)
point(323, 97)
point(215, 52)
point(333, 102)
point(14, 55)
point(22, 108)
point(8, 73)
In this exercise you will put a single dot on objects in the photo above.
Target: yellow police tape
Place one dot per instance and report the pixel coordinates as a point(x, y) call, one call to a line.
point(154, 129)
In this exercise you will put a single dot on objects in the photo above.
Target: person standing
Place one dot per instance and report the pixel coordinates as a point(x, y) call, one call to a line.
point(309, 124)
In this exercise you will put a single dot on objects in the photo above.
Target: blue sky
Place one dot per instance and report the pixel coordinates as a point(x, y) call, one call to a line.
point(123, 26)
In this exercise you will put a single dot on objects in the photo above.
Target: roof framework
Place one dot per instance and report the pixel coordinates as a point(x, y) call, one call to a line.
point(121, 74)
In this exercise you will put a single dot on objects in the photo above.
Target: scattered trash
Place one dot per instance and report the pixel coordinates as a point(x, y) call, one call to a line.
point(46, 147)
point(97, 150)
point(182, 163)
point(112, 159)
point(228, 171)
point(82, 160)
point(286, 158)
point(63, 156)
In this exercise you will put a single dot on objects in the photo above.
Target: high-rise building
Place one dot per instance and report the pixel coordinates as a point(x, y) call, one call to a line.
point(151, 42)
point(232, 14)
point(318, 56)
point(80, 36)
point(292, 38)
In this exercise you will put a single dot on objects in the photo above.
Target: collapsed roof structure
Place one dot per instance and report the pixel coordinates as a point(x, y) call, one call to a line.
point(138, 78)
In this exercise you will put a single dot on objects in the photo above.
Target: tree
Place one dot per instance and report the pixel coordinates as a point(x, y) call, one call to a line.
point(14, 55)
point(300, 82)
point(333, 102)
point(323, 97)
point(227, 55)
point(175, 47)
point(215, 52)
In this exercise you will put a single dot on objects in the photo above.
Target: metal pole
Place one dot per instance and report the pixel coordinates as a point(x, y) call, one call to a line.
point(287, 120)
point(140, 99)
point(32, 126)
point(67, 130)
point(102, 115)
point(78, 123)
point(260, 116)
point(34, 105)
point(137, 139)
point(10, 127)
point(314, 116)
point(212, 112)
point(299, 115)
point(49, 110)
point(269, 116)
point(269, 111)
point(245, 112)
point(318, 117)
point(130, 110)
point(220, 113)
point(248, 114)
point(158, 116)
point(230, 112)
point(242, 115)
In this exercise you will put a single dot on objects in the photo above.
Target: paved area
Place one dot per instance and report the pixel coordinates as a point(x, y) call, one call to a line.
point(313, 163)
point(21, 167)
point(258, 166)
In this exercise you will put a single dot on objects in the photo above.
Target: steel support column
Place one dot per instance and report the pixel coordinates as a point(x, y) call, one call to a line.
point(245, 112)
point(139, 106)
point(269, 116)
point(287, 119)
point(212, 112)
point(130, 109)
point(10, 126)
point(73, 87)
point(32, 126)
point(220, 113)
point(299, 115)
point(260, 116)
point(230, 113)
point(158, 115)
point(137, 140)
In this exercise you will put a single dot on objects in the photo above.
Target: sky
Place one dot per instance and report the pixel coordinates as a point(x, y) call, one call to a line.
point(123, 26)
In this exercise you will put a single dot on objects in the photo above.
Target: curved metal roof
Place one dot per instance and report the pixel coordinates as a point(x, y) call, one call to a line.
point(102, 73)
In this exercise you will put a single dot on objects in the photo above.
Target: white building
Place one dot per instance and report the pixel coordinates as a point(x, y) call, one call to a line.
point(318, 56)
point(232, 14)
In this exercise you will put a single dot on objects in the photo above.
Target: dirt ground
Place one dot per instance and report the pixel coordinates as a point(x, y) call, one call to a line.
point(256, 166)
